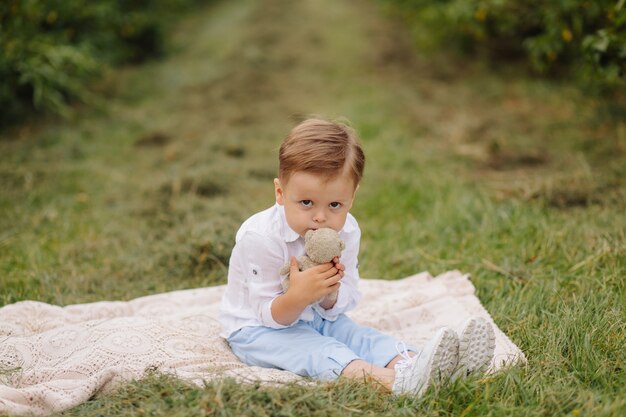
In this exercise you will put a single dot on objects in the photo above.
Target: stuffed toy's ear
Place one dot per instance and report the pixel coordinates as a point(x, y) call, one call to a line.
point(342, 244)
point(308, 235)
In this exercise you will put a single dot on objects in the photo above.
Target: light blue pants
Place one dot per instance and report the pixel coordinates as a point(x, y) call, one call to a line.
point(318, 348)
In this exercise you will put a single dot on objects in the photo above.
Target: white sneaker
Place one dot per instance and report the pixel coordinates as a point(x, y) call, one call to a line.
point(434, 363)
point(477, 342)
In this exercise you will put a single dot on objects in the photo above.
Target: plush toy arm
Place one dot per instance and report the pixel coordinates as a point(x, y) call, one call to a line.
point(333, 295)
point(284, 270)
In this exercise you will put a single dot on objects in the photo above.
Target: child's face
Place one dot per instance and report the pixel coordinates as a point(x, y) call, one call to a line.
point(311, 202)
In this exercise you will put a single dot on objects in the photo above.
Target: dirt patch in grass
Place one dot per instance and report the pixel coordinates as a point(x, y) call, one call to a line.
point(262, 174)
point(555, 189)
point(582, 193)
point(235, 151)
point(572, 196)
point(500, 160)
point(154, 139)
point(206, 188)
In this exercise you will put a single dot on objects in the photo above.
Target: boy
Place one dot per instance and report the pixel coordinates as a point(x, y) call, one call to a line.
point(320, 167)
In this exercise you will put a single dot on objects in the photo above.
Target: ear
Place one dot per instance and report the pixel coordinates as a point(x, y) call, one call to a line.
point(309, 235)
point(279, 192)
point(342, 244)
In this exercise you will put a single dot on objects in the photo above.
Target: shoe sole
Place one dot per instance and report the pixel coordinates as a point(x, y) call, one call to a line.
point(476, 346)
point(443, 361)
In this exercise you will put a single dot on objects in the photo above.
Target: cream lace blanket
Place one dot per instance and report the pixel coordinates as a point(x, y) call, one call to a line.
point(53, 358)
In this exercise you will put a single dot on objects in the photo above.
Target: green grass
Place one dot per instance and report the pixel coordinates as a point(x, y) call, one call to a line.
point(519, 182)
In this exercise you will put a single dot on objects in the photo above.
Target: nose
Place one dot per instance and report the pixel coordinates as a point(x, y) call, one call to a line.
point(319, 216)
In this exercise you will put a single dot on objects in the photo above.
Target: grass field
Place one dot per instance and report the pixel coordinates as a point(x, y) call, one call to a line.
point(518, 181)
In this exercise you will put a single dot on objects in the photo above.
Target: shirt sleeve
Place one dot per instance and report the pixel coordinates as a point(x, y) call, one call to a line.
point(262, 257)
point(349, 294)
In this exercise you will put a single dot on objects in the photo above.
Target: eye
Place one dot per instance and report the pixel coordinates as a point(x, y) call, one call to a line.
point(306, 203)
point(335, 205)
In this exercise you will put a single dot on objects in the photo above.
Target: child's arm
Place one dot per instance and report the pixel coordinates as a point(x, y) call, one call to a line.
point(305, 287)
point(253, 276)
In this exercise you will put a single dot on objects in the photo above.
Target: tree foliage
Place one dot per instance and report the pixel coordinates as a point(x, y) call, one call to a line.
point(586, 38)
point(51, 48)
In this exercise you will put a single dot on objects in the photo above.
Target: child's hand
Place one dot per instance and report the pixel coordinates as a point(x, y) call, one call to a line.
point(314, 283)
point(305, 288)
point(340, 267)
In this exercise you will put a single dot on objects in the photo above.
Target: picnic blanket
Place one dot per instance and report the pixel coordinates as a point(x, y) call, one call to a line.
point(53, 358)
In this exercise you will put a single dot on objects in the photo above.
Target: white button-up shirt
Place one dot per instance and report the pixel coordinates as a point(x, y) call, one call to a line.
point(264, 243)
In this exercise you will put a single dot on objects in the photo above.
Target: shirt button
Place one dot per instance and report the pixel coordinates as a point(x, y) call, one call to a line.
point(254, 272)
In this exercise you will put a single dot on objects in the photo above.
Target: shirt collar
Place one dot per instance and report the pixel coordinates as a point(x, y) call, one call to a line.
point(289, 235)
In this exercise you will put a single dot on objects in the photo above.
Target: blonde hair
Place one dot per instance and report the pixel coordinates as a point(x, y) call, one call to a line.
point(321, 147)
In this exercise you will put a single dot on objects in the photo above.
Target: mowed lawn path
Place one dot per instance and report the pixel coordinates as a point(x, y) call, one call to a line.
point(518, 181)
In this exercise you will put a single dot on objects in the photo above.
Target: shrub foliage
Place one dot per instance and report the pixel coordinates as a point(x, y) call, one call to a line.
point(51, 48)
point(585, 37)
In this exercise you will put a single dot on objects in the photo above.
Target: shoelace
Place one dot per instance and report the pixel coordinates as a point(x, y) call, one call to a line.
point(404, 352)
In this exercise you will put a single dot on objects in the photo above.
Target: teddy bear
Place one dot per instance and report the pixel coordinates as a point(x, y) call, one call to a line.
point(320, 246)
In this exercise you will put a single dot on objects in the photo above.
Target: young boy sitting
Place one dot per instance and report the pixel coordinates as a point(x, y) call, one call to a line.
point(320, 167)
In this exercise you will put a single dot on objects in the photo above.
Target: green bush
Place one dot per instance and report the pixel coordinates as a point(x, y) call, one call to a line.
point(52, 48)
point(584, 37)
